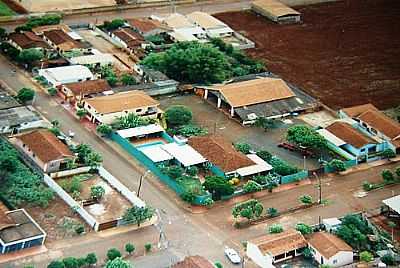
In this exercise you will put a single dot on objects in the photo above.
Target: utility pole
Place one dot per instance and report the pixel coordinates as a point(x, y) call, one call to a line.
point(140, 182)
point(319, 187)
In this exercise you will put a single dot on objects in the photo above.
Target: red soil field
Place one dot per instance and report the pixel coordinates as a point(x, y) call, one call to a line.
point(344, 53)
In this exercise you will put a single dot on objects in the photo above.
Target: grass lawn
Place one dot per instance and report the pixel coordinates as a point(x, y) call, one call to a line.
point(5, 10)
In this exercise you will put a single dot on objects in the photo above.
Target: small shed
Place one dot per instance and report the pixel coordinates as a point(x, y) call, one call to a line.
point(331, 224)
point(276, 11)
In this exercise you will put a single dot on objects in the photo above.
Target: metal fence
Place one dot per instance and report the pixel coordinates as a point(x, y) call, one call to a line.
point(294, 177)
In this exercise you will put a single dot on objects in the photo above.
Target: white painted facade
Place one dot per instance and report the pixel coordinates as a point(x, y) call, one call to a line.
point(67, 74)
point(341, 258)
point(255, 254)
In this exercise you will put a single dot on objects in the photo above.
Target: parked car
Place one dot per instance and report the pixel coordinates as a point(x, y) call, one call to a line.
point(232, 255)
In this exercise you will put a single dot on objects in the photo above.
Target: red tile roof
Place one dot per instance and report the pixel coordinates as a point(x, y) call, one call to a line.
point(220, 152)
point(60, 38)
point(88, 87)
point(355, 111)
point(145, 25)
point(130, 37)
point(28, 40)
point(45, 145)
point(349, 134)
point(327, 244)
point(381, 122)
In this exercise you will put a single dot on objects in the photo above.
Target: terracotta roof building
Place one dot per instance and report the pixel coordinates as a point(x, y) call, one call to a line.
point(194, 262)
point(27, 40)
point(276, 247)
point(106, 109)
point(62, 41)
point(349, 134)
point(329, 249)
point(130, 40)
point(375, 123)
point(147, 27)
point(263, 96)
point(80, 90)
point(220, 153)
point(45, 28)
point(43, 147)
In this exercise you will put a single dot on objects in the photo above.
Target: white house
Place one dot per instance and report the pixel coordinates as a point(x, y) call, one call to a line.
point(211, 25)
point(273, 248)
point(45, 149)
point(184, 29)
point(330, 249)
point(66, 74)
point(106, 109)
point(98, 59)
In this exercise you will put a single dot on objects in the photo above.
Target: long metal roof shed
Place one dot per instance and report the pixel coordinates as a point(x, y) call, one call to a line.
point(276, 11)
point(393, 203)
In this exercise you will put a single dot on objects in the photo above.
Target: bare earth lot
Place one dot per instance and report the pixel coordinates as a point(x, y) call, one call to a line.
point(345, 53)
point(57, 5)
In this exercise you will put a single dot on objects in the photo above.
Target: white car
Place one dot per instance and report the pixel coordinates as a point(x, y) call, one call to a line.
point(232, 255)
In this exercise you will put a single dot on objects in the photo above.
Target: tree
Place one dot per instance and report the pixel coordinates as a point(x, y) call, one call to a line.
point(70, 262)
point(354, 231)
point(113, 253)
point(52, 91)
point(97, 192)
point(112, 80)
point(3, 33)
point(178, 115)
point(307, 253)
point(128, 79)
point(82, 262)
point(366, 256)
point(93, 159)
point(91, 258)
point(82, 151)
point(81, 113)
point(264, 123)
point(191, 62)
point(388, 259)
point(114, 24)
point(397, 171)
point(244, 148)
point(218, 265)
point(118, 263)
point(25, 94)
point(192, 171)
point(129, 248)
point(250, 209)
point(264, 155)
point(306, 136)
point(304, 228)
point(104, 129)
point(251, 186)
point(306, 199)
point(79, 229)
point(387, 175)
point(336, 165)
point(8, 163)
point(272, 212)
point(388, 153)
point(282, 167)
point(174, 171)
point(138, 215)
point(275, 229)
point(218, 186)
point(30, 55)
point(56, 264)
point(147, 247)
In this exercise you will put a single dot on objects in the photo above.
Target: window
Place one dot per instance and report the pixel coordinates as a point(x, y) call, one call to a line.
point(334, 261)
point(138, 110)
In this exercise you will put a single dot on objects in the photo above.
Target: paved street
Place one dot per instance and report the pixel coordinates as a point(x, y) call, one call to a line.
point(215, 6)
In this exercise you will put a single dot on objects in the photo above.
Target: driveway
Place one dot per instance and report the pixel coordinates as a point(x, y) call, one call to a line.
point(208, 116)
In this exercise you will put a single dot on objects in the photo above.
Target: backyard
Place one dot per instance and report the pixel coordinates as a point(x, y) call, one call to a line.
point(331, 54)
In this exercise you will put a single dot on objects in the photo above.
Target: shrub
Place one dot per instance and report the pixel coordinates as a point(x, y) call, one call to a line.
point(52, 91)
point(208, 202)
point(79, 229)
point(113, 253)
point(192, 171)
point(243, 147)
point(281, 167)
point(388, 153)
point(218, 186)
point(306, 199)
point(128, 79)
point(91, 258)
point(272, 212)
point(138, 215)
point(397, 171)
point(265, 155)
point(190, 130)
point(118, 263)
point(387, 175)
point(250, 209)
point(178, 115)
point(114, 24)
point(336, 165)
point(72, 185)
point(307, 253)
point(188, 196)
point(174, 172)
point(97, 192)
point(275, 229)
point(366, 256)
point(70, 262)
point(81, 113)
point(251, 186)
point(129, 248)
point(147, 247)
point(25, 94)
point(82, 262)
point(304, 228)
point(388, 259)
point(306, 136)
point(218, 265)
point(367, 186)
point(56, 264)
point(104, 129)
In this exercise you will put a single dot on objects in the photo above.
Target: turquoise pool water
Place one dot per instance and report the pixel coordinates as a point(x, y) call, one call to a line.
point(149, 144)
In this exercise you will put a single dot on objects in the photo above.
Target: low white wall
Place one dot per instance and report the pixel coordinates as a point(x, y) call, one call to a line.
point(128, 194)
point(70, 172)
point(71, 202)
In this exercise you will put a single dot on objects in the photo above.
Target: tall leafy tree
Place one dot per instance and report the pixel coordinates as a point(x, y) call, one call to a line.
point(218, 186)
point(306, 136)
